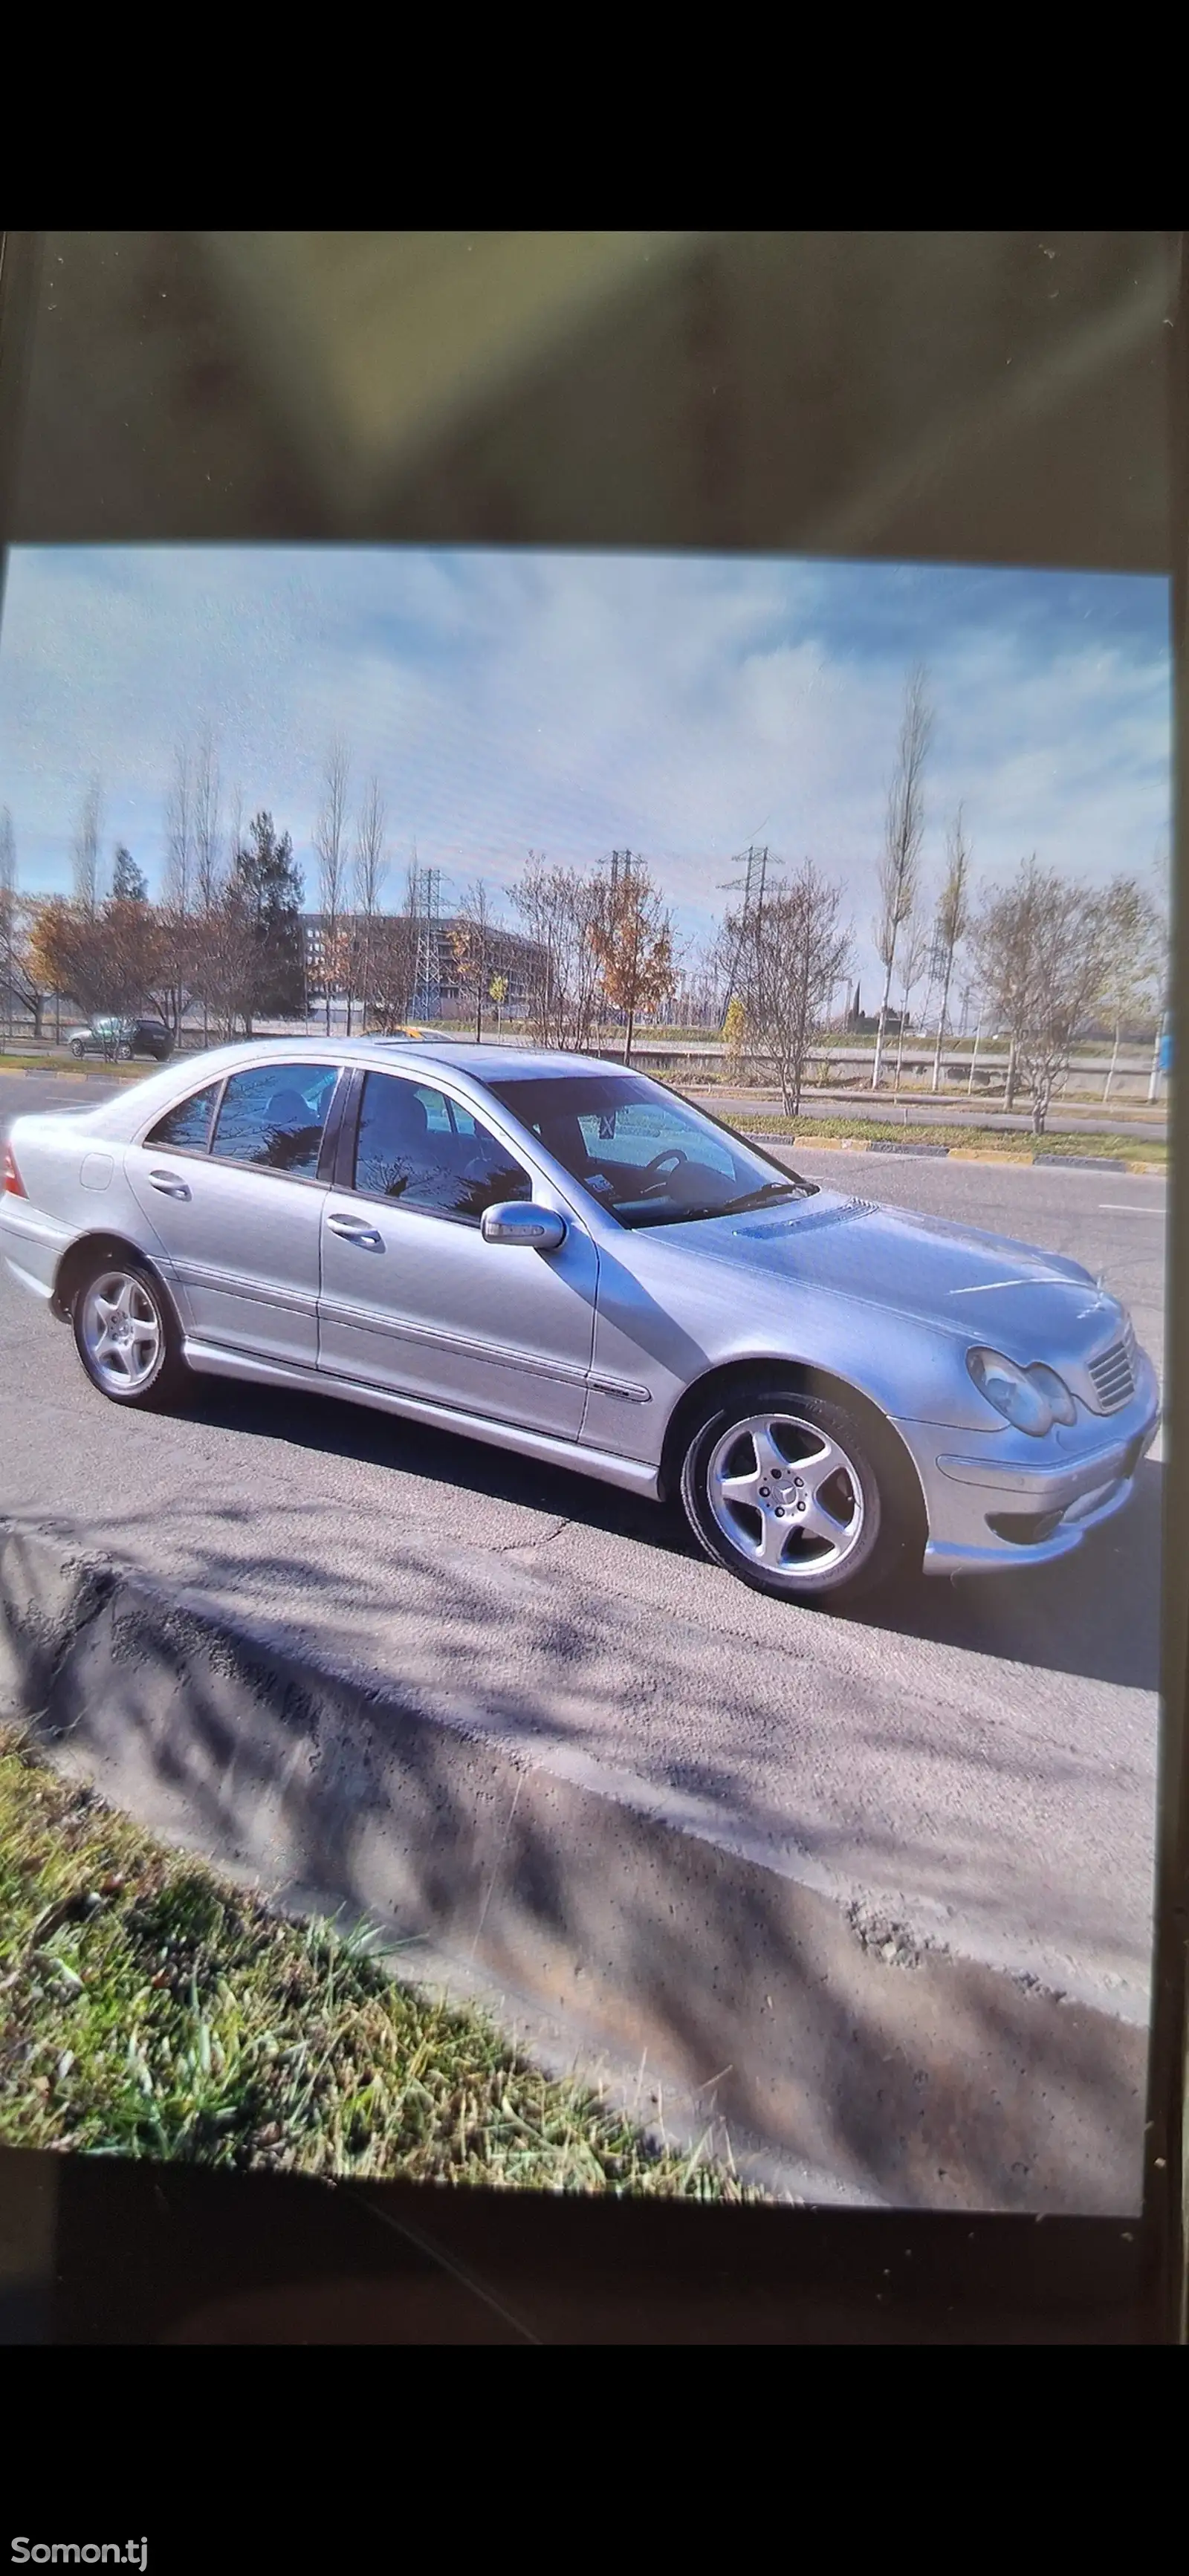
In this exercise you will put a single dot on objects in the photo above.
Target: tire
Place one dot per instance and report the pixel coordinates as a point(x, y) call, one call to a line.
point(77, 1049)
point(141, 1368)
point(809, 1530)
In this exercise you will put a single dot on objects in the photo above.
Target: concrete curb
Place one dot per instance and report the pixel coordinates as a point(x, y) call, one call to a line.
point(884, 1145)
point(904, 2072)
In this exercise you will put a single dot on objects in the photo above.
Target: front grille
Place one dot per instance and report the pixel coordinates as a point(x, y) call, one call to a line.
point(1113, 1374)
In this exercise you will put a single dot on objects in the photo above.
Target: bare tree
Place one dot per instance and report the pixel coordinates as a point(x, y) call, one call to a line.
point(180, 942)
point(8, 912)
point(902, 844)
point(393, 967)
point(789, 963)
point(1043, 945)
point(208, 842)
point(950, 924)
point(370, 869)
point(86, 848)
point(1137, 959)
point(1159, 889)
point(631, 935)
point(916, 939)
point(473, 942)
point(179, 836)
point(559, 909)
point(210, 872)
point(235, 829)
point(330, 842)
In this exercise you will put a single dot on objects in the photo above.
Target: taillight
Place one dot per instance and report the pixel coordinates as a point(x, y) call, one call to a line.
point(14, 1186)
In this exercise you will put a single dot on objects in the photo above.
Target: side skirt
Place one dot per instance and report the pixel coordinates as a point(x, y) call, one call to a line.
point(209, 1359)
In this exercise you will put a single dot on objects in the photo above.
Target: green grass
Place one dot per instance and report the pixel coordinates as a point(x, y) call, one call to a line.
point(149, 2009)
point(1018, 1142)
point(58, 1060)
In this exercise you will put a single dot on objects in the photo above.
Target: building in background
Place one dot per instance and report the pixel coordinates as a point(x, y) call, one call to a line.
point(438, 989)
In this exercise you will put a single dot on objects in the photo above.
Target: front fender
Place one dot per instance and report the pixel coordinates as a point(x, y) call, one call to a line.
point(669, 1323)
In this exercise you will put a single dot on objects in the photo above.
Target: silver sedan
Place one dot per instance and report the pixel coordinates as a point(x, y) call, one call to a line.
point(566, 1259)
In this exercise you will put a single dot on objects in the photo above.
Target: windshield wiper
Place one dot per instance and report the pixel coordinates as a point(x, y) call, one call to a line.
point(662, 1213)
point(789, 1189)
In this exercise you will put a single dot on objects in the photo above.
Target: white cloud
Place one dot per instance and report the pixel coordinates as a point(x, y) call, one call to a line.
point(678, 705)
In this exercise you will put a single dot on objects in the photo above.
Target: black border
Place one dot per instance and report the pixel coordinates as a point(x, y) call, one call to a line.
point(128, 2252)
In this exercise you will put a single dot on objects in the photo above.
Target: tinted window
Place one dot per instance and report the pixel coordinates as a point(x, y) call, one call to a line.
point(275, 1115)
point(430, 1153)
point(187, 1125)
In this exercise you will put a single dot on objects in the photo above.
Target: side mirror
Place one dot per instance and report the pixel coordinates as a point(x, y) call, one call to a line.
point(518, 1221)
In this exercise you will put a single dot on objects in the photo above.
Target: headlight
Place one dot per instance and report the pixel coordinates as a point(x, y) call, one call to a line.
point(1061, 1403)
point(1031, 1399)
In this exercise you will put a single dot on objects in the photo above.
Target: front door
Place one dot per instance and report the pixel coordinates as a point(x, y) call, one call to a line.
point(228, 1181)
point(415, 1300)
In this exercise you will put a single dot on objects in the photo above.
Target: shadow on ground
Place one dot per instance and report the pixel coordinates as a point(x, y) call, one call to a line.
point(1064, 1617)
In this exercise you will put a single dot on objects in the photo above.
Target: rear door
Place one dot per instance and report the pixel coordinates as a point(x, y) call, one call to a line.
point(229, 1181)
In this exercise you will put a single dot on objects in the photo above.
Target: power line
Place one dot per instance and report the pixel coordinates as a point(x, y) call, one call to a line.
point(753, 882)
point(427, 899)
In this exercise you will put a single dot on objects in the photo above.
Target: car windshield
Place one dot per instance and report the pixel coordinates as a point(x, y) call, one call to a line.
point(648, 1157)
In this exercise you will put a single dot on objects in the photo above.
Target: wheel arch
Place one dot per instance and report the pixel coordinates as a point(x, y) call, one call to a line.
point(103, 1243)
point(737, 1375)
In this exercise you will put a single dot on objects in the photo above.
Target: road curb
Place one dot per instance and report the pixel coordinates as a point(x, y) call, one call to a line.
point(884, 1145)
point(1082, 1162)
point(817, 2025)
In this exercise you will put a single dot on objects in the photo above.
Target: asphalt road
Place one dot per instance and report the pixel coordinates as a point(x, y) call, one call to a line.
point(977, 1758)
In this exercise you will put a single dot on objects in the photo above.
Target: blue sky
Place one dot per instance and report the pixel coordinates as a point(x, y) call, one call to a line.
point(678, 705)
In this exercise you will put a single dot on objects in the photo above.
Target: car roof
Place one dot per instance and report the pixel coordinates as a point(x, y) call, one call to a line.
point(489, 1063)
point(486, 1063)
point(144, 1100)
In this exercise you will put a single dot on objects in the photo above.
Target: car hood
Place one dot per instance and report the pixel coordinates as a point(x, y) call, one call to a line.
point(982, 1287)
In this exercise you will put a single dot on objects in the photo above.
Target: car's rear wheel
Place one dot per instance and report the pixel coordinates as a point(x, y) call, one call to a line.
point(127, 1335)
point(789, 1492)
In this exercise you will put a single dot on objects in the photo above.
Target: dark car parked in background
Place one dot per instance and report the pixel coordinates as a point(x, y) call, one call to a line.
point(122, 1038)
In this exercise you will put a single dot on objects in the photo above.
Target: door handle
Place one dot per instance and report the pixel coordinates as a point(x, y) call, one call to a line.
point(354, 1229)
point(169, 1185)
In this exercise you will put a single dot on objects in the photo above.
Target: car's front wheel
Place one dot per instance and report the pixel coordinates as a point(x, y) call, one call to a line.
point(127, 1335)
point(78, 1047)
point(791, 1492)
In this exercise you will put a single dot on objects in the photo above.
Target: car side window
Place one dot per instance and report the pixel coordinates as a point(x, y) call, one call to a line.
point(417, 1146)
point(274, 1117)
point(187, 1126)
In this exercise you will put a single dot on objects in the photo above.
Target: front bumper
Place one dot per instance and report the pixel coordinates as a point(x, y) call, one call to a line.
point(999, 1500)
